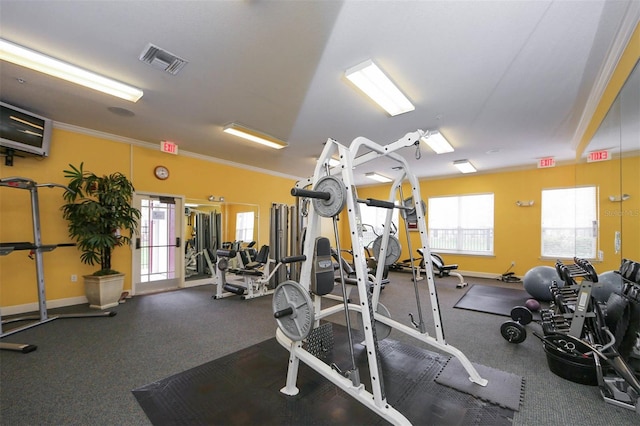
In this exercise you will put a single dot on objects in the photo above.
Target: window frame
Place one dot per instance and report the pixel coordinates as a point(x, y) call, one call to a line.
point(595, 227)
point(244, 230)
point(458, 236)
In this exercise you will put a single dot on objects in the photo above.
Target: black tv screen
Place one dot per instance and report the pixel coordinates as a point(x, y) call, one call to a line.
point(23, 131)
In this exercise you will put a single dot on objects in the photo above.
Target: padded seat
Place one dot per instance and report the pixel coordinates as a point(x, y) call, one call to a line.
point(261, 258)
point(252, 272)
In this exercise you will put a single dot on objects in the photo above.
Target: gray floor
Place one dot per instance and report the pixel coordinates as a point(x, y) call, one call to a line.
point(84, 369)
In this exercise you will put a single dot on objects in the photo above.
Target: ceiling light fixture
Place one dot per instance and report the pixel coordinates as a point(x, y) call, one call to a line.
point(254, 136)
point(464, 166)
point(437, 142)
point(375, 84)
point(377, 177)
point(22, 56)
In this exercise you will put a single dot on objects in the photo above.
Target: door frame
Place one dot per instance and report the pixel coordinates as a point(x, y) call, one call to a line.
point(180, 200)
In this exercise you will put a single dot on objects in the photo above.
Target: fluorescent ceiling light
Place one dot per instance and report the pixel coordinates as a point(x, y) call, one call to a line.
point(377, 177)
point(437, 142)
point(464, 166)
point(375, 84)
point(19, 55)
point(254, 136)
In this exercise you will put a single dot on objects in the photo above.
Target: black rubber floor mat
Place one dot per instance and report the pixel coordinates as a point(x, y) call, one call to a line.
point(494, 300)
point(505, 389)
point(244, 388)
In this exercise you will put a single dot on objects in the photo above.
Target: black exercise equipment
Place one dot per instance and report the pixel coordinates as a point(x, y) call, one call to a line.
point(508, 276)
point(322, 268)
point(36, 249)
point(577, 337)
point(513, 330)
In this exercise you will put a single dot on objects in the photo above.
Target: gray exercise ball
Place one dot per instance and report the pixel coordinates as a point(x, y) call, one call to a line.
point(537, 281)
point(608, 282)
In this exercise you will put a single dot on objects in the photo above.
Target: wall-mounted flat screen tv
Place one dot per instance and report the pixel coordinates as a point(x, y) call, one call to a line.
point(24, 131)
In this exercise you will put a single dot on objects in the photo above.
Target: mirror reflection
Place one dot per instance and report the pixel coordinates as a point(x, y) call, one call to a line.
point(211, 225)
point(618, 139)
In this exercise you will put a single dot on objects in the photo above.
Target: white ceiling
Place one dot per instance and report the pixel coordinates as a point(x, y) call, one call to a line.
point(507, 82)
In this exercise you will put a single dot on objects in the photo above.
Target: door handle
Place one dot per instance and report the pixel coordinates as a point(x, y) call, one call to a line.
point(177, 241)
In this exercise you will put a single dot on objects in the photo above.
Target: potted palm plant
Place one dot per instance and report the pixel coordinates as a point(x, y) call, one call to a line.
point(101, 218)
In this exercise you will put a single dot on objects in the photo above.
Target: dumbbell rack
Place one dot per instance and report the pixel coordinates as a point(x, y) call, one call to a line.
point(571, 304)
point(574, 327)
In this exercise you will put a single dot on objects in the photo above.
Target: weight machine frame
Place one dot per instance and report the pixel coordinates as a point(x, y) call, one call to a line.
point(349, 157)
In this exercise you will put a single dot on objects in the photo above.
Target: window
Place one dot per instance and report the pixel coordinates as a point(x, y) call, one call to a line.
point(569, 222)
point(461, 224)
point(373, 219)
point(244, 226)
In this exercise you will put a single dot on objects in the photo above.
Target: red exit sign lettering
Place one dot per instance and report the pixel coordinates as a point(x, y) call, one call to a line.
point(170, 147)
point(602, 155)
point(546, 162)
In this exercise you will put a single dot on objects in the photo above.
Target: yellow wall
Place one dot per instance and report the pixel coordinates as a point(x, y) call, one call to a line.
point(517, 229)
point(191, 177)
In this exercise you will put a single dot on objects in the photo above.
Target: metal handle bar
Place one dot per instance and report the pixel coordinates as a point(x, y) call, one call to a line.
point(322, 195)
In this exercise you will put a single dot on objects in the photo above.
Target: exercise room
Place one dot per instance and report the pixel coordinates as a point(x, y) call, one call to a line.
point(320, 212)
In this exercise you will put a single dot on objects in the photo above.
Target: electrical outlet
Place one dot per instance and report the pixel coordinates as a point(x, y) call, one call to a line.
point(74, 278)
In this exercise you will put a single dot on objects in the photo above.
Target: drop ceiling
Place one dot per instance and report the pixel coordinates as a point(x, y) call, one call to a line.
point(507, 82)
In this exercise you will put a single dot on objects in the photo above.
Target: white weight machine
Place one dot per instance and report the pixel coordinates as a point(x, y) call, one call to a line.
point(254, 283)
point(298, 306)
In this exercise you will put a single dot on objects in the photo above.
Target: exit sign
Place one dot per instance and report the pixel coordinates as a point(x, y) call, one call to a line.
point(602, 155)
point(546, 162)
point(170, 147)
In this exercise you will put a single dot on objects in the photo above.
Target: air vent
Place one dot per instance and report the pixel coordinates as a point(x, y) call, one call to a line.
point(162, 60)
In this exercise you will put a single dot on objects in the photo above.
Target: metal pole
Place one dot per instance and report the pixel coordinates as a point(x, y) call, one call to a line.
point(420, 324)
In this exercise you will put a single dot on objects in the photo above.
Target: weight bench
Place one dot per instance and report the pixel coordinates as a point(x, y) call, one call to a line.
point(443, 270)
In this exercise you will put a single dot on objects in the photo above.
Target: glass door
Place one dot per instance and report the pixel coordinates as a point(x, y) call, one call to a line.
point(157, 255)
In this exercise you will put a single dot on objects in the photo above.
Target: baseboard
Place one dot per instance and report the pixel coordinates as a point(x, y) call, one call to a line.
point(34, 307)
point(196, 283)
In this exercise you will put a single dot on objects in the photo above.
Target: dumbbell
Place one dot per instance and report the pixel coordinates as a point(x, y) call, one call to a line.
point(514, 330)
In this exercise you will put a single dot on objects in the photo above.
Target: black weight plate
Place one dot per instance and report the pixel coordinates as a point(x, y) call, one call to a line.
point(513, 332)
point(593, 275)
point(521, 314)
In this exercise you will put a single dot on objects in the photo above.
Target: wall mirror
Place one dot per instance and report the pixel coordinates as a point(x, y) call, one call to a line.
point(618, 137)
point(210, 225)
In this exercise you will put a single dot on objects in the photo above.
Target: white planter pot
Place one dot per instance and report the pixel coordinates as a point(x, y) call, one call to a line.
point(103, 292)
